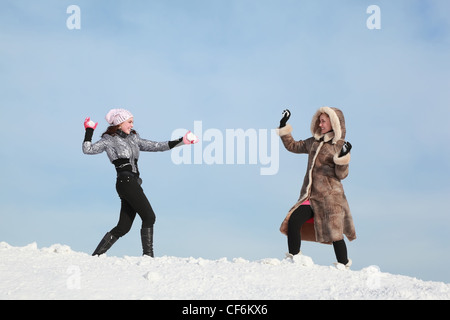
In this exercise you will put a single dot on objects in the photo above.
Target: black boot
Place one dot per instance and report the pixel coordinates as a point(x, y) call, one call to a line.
point(106, 243)
point(147, 241)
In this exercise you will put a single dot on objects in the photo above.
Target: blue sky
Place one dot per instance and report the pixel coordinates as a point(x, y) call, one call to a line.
point(231, 65)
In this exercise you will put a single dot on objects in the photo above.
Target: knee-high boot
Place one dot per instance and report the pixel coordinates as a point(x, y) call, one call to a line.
point(147, 241)
point(104, 245)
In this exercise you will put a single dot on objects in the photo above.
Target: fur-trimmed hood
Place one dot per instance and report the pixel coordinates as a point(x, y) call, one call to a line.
point(337, 123)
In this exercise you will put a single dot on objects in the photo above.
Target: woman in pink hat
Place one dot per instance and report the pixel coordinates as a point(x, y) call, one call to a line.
point(122, 145)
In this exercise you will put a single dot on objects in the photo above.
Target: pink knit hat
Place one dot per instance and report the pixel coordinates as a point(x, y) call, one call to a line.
point(117, 116)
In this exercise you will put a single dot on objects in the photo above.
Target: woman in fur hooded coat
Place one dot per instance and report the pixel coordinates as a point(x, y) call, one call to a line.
point(321, 213)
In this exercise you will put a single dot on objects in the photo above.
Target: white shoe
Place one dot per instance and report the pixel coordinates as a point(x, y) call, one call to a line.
point(290, 257)
point(300, 259)
point(341, 266)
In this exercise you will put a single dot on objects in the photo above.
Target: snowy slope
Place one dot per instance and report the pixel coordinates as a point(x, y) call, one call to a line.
point(57, 272)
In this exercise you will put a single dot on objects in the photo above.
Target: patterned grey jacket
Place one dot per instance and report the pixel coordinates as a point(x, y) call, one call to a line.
point(123, 147)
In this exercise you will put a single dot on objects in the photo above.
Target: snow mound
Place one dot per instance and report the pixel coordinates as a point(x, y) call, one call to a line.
point(58, 272)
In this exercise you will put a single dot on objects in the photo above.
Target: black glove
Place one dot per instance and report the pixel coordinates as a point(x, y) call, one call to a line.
point(88, 134)
point(286, 116)
point(345, 149)
point(174, 143)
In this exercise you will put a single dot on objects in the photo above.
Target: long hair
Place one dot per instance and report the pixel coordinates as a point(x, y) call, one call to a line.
point(112, 130)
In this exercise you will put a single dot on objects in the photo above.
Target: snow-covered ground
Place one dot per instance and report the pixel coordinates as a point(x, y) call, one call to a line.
point(57, 272)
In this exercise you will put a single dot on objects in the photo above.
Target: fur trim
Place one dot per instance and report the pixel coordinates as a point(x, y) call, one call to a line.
point(328, 136)
point(342, 266)
point(335, 124)
point(284, 131)
point(341, 161)
point(310, 178)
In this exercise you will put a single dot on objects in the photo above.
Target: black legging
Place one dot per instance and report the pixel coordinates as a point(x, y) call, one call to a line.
point(296, 221)
point(133, 201)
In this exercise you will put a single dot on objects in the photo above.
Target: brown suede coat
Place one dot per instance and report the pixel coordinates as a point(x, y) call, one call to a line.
point(322, 183)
